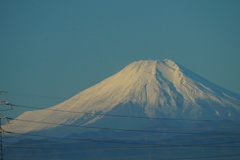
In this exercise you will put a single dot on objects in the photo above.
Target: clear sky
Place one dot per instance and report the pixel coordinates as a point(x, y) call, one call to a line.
point(57, 48)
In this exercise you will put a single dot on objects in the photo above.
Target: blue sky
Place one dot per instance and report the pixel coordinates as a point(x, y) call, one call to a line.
point(57, 48)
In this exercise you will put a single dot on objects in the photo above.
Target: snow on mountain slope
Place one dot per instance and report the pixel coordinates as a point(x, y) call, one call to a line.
point(144, 88)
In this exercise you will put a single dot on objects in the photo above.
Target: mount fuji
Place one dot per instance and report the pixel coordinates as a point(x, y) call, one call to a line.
point(133, 98)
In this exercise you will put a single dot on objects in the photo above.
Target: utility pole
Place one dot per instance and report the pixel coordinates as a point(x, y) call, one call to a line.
point(150, 156)
point(1, 144)
point(3, 117)
point(1, 135)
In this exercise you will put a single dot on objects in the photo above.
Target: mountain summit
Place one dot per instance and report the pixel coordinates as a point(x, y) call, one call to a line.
point(154, 89)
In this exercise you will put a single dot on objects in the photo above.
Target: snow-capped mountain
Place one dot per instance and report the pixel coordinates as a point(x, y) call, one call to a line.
point(154, 89)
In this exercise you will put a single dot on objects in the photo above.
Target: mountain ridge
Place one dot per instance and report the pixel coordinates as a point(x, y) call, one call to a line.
point(151, 88)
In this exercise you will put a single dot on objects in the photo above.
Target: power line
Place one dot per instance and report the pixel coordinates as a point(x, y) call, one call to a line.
point(132, 147)
point(121, 148)
point(79, 139)
point(222, 145)
point(128, 138)
point(165, 129)
point(103, 114)
point(126, 116)
point(123, 116)
point(105, 128)
point(142, 147)
point(185, 158)
point(203, 136)
point(151, 145)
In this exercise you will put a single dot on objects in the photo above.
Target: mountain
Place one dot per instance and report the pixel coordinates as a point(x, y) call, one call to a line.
point(151, 89)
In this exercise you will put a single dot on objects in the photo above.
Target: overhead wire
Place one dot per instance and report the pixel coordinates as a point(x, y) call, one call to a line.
point(147, 148)
point(112, 115)
point(110, 140)
point(160, 157)
point(146, 137)
point(155, 136)
point(151, 145)
point(175, 146)
point(157, 142)
point(79, 139)
point(209, 145)
point(157, 133)
point(122, 129)
point(74, 127)
point(148, 131)
point(176, 158)
point(105, 128)
point(130, 147)
point(102, 114)
point(123, 116)
point(190, 129)
point(232, 145)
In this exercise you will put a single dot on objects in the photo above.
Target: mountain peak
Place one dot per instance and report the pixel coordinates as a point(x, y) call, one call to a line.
point(151, 66)
point(154, 62)
point(161, 87)
point(151, 88)
point(169, 62)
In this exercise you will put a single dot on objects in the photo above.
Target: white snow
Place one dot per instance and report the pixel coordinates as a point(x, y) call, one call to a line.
point(159, 88)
